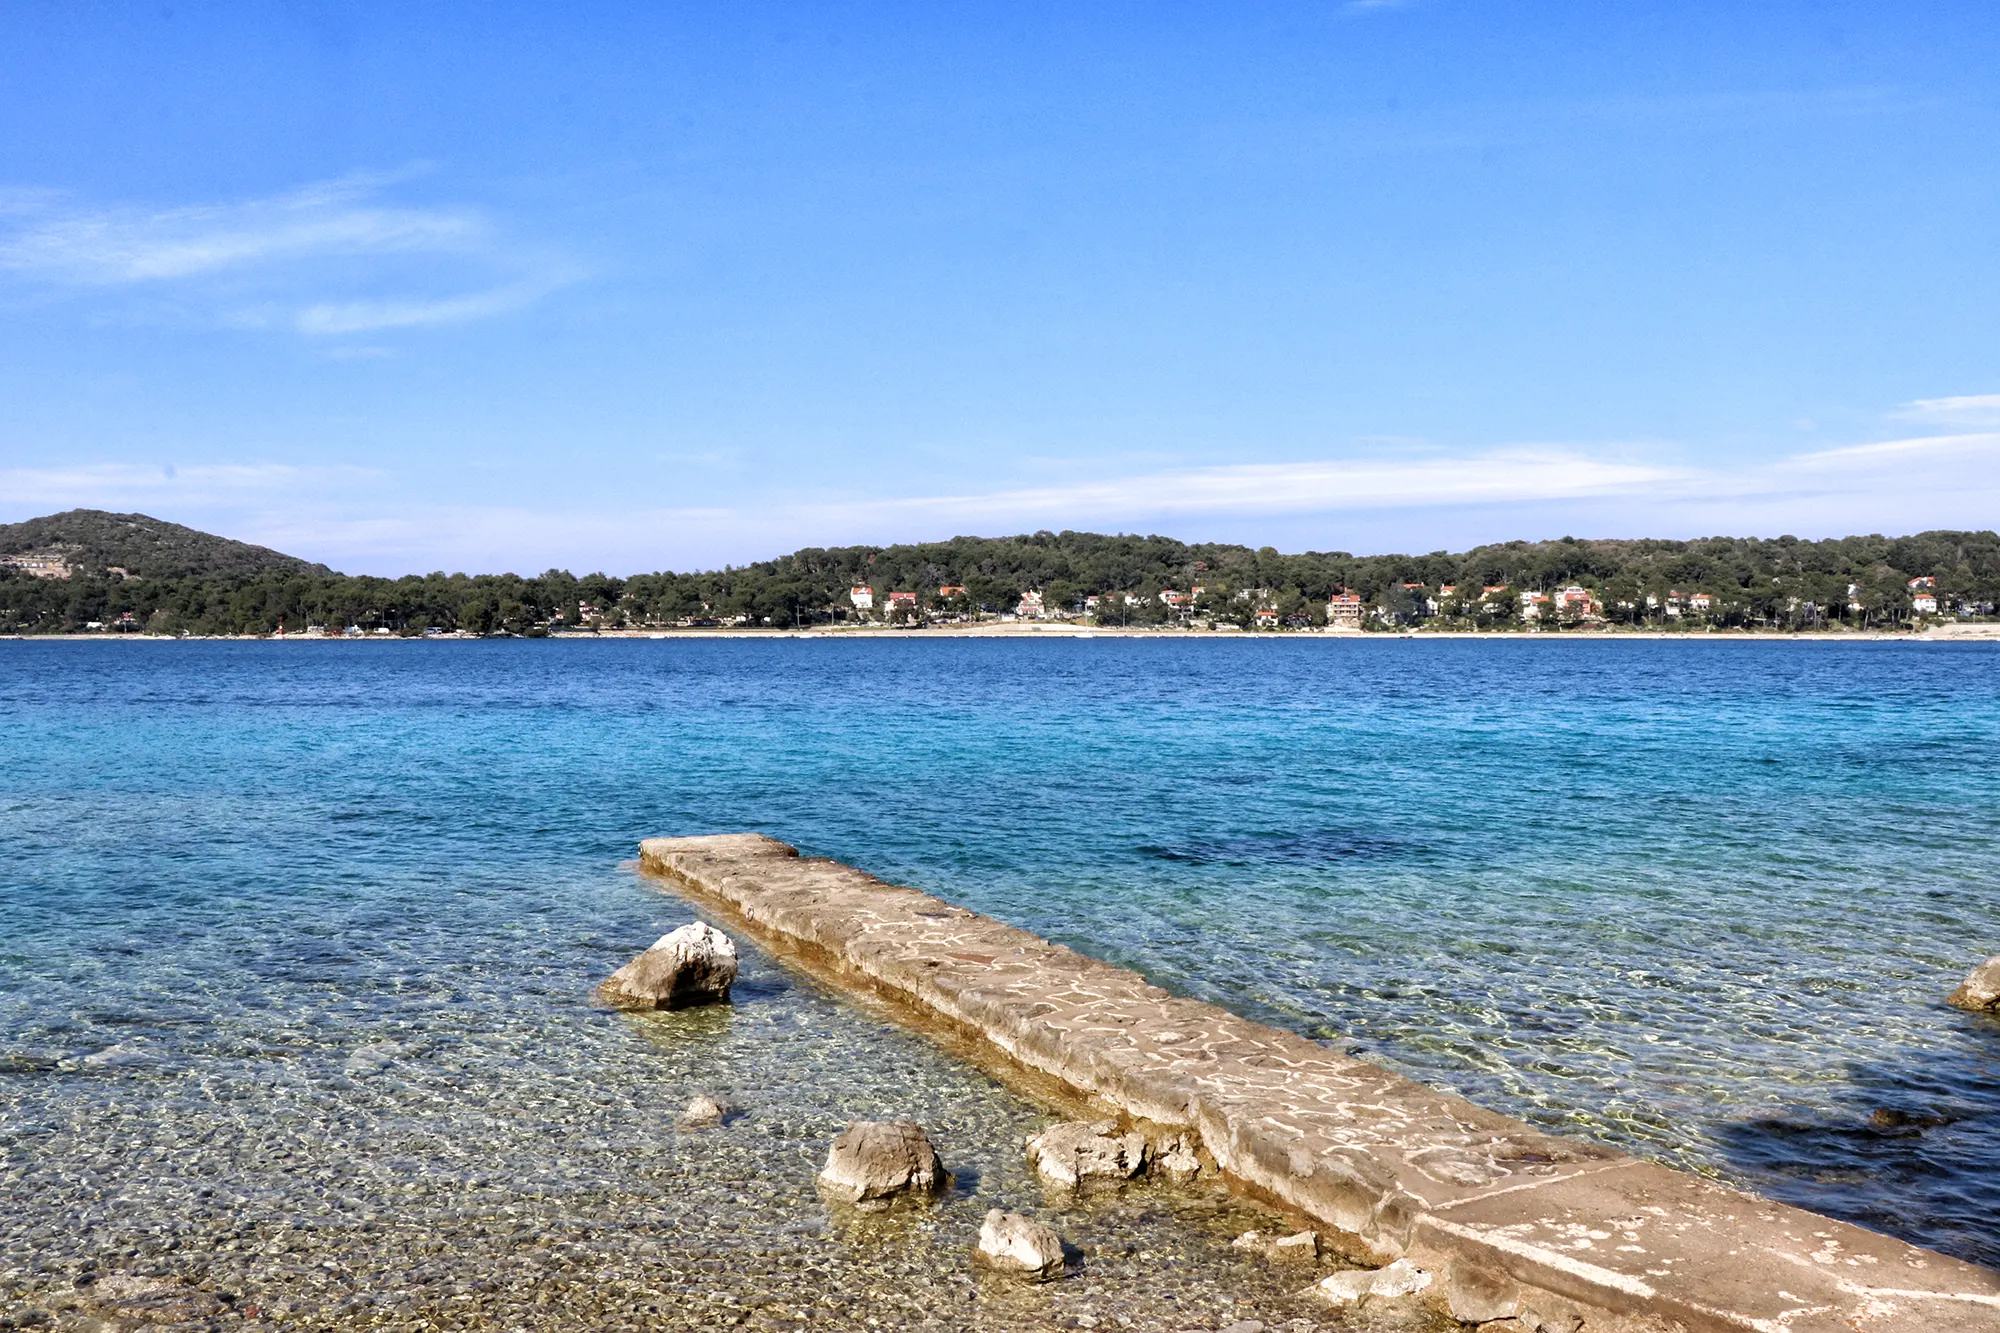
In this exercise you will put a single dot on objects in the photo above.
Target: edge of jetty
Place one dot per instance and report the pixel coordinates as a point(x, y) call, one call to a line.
point(1511, 1218)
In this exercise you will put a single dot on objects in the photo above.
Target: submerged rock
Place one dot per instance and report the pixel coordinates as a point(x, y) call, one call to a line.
point(693, 965)
point(1011, 1243)
point(879, 1159)
point(705, 1113)
point(148, 1299)
point(373, 1058)
point(1078, 1152)
point(1301, 1246)
point(1394, 1282)
point(1980, 991)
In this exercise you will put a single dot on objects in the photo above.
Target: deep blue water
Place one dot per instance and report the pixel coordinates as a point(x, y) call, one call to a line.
point(1699, 900)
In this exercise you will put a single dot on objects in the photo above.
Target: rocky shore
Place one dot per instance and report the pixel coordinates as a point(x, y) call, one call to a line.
point(1474, 1217)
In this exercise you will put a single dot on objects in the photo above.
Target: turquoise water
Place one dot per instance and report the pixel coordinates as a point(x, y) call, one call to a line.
point(1699, 900)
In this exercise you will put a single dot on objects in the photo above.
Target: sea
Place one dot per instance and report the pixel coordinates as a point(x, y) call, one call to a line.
point(297, 940)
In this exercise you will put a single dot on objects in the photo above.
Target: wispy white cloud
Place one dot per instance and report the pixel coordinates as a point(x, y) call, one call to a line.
point(315, 260)
point(1922, 451)
point(114, 485)
point(127, 245)
point(367, 316)
point(1529, 472)
point(1977, 409)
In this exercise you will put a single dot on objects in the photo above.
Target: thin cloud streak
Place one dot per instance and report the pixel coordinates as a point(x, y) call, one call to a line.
point(1491, 478)
point(114, 485)
point(368, 316)
point(121, 246)
point(255, 264)
point(1978, 409)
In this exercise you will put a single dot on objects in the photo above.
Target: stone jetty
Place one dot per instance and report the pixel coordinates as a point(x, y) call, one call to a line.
point(1511, 1226)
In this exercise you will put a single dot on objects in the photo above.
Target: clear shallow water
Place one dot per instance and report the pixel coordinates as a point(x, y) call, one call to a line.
point(1699, 900)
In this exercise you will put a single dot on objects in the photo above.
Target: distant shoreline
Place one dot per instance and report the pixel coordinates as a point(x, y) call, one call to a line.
point(1986, 633)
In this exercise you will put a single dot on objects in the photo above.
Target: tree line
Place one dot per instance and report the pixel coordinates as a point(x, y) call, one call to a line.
point(1778, 583)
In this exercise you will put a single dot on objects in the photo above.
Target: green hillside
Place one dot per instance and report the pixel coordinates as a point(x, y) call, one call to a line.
point(91, 541)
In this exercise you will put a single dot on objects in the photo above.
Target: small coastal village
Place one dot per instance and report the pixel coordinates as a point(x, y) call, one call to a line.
point(1490, 606)
point(1415, 605)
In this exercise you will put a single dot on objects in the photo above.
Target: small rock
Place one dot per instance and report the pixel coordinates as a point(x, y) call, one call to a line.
point(693, 965)
point(1890, 1119)
point(125, 1055)
point(1011, 1243)
point(1076, 1151)
point(878, 1159)
point(1301, 1247)
point(146, 1296)
point(1980, 992)
point(1399, 1279)
point(705, 1113)
point(373, 1058)
point(1245, 1326)
point(1179, 1164)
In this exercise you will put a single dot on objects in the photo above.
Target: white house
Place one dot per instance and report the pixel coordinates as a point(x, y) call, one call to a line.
point(863, 598)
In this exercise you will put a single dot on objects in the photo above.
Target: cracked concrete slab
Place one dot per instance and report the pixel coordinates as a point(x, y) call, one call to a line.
point(1520, 1222)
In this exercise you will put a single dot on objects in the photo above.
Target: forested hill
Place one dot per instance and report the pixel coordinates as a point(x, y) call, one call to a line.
point(1067, 566)
point(180, 580)
point(91, 542)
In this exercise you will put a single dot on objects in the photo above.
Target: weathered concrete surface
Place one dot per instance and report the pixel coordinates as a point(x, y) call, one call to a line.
point(1390, 1168)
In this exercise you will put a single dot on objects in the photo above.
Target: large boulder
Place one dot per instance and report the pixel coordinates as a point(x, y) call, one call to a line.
point(1011, 1243)
point(1980, 991)
point(1081, 1152)
point(693, 965)
point(877, 1160)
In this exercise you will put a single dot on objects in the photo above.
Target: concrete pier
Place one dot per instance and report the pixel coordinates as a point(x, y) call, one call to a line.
point(1517, 1224)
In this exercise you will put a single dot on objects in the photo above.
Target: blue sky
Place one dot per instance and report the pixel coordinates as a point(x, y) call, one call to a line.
point(407, 287)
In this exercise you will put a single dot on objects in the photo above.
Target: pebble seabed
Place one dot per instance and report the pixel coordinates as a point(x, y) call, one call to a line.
point(458, 1163)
